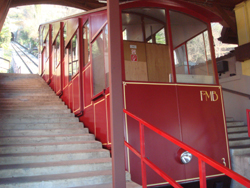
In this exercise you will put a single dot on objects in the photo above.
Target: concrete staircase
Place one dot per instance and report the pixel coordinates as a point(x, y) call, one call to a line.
point(42, 144)
point(239, 144)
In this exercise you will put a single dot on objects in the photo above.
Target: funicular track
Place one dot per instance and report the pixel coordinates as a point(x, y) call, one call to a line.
point(26, 58)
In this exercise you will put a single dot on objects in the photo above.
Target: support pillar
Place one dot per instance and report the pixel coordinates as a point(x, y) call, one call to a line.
point(116, 99)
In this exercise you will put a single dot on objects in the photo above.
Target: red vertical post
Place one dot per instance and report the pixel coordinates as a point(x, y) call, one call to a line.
point(143, 166)
point(248, 122)
point(202, 173)
point(116, 99)
point(171, 50)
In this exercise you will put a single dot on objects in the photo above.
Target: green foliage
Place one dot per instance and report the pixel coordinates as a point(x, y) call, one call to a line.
point(5, 37)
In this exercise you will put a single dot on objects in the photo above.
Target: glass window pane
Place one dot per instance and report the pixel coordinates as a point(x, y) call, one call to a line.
point(98, 64)
point(180, 58)
point(70, 62)
point(191, 49)
point(133, 26)
point(65, 33)
point(58, 58)
point(106, 56)
point(54, 54)
point(146, 61)
point(184, 27)
point(75, 54)
point(86, 45)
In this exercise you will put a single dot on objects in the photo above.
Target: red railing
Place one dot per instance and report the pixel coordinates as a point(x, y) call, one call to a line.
point(248, 122)
point(203, 159)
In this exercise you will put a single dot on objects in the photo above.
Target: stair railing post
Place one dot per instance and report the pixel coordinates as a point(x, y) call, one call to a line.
point(116, 97)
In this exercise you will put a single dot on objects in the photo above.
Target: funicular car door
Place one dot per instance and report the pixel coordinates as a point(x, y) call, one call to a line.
point(154, 93)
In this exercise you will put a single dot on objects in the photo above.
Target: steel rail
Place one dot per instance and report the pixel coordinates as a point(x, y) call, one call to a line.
point(15, 43)
point(202, 159)
point(22, 59)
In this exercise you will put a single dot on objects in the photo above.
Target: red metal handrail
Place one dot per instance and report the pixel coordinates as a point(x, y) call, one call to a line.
point(248, 122)
point(201, 158)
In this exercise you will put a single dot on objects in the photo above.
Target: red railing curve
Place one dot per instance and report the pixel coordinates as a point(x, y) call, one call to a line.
point(248, 122)
point(203, 159)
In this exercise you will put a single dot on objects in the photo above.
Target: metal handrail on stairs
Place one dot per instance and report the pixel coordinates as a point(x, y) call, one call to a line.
point(236, 92)
point(203, 159)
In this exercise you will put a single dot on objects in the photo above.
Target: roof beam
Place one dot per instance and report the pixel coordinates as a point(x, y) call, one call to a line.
point(230, 23)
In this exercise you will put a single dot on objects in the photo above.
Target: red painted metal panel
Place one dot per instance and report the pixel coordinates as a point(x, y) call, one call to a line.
point(87, 87)
point(202, 158)
point(97, 20)
point(108, 119)
point(76, 94)
point(88, 118)
point(66, 95)
point(203, 125)
point(58, 79)
point(156, 104)
point(100, 121)
point(70, 96)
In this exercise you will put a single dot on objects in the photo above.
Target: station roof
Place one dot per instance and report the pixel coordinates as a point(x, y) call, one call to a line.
point(223, 8)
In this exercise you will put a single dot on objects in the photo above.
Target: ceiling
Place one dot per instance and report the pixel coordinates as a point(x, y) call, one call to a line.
point(223, 8)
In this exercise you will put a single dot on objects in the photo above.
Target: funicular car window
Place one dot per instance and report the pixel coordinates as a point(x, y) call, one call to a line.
point(56, 50)
point(100, 61)
point(146, 51)
point(73, 56)
point(58, 58)
point(192, 53)
point(86, 44)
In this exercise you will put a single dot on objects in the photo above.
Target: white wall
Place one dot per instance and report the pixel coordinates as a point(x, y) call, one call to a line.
point(235, 105)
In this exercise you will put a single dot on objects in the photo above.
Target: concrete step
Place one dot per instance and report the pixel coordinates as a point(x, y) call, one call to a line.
point(38, 169)
point(25, 89)
point(38, 102)
point(59, 107)
point(49, 147)
point(235, 123)
point(239, 142)
point(30, 99)
point(59, 180)
point(35, 111)
point(43, 132)
point(44, 115)
point(10, 95)
point(238, 135)
point(240, 150)
point(20, 126)
point(229, 119)
point(237, 129)
point(27, 104)
point(129, 184)
point(45, 139)
point(40, 120)
point(42, 157)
